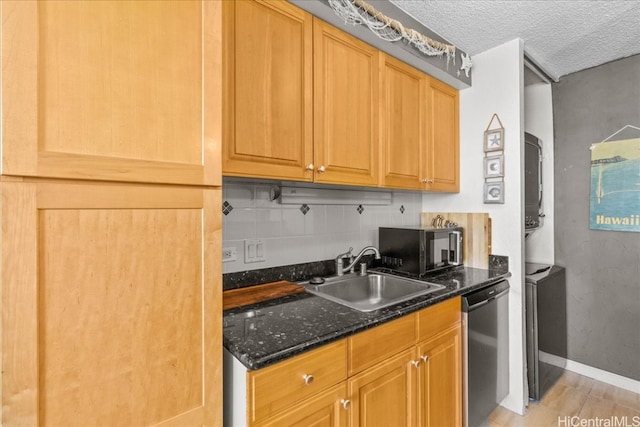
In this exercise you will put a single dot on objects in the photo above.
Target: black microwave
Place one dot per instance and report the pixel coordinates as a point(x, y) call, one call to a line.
point(418, 250)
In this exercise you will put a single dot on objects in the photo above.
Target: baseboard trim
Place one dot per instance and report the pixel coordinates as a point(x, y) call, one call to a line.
point(591, 372)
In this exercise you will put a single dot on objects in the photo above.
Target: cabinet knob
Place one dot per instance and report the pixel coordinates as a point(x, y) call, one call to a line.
point(424, 358)
point(308, 379)
point(321, 169)
point(429, 181)
point(346, 403)
point(415, 363)
point(310, 167)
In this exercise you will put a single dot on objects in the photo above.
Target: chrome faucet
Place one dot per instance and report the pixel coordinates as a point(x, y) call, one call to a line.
point(340, 270)
point(339, 262)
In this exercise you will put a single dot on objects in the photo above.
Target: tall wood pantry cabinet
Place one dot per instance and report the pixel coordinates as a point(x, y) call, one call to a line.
point(110, 245)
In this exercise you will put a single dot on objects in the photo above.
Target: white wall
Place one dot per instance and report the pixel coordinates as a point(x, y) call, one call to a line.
point(538, 120)
point(292, 237)
point(497, 88)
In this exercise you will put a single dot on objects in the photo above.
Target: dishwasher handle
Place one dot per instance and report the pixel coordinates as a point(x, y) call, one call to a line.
point(486, 301)
point(482, 296)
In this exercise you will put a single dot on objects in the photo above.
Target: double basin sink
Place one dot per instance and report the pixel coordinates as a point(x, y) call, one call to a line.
point(371, 291)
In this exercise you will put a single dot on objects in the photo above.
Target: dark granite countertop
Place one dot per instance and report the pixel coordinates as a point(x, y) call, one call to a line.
point(261, 334)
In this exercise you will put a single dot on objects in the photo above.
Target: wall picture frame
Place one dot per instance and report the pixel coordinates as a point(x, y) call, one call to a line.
point(494, 192)
point(494, 166)
point(493, 140)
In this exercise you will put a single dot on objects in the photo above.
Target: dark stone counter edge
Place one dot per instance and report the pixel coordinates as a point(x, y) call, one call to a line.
point(404, 309)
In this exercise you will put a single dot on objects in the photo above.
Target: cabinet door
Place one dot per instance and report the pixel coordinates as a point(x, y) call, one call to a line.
point(403, 117)
point(443, 141)
point(440, 390)
point(346, 105)
point(279, 386)
point(112, 90)
point(110, 305)
point(268, 90)
point(385, 395)
point(329, 408)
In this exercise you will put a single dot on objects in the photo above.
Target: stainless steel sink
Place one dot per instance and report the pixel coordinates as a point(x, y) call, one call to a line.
point(370, 292)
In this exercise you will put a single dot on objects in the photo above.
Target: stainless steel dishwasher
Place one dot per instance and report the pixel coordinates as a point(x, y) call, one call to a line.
point(485, 351)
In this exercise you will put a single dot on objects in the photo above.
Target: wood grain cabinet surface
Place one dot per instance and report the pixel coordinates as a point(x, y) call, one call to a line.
point(443, 142)
point(386, 394)
point(404, 125)
point(109, 302)
point(440, 379)
point(346, 105)
point(306, 101)
point(268, 103)
point(112, 91)
point(325, 409)
point(406, 372)
point(279, 386)
point(110, 264)
point(440, 355)
point(419, 122)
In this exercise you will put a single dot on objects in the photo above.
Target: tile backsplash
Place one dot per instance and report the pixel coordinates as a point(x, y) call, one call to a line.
point(292, 234)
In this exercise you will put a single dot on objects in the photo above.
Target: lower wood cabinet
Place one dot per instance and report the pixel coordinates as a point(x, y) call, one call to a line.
point(109, 302)
point(276, 388)
point(440, 380)
point(325, 409)
point(407, 372)
point(386, 395)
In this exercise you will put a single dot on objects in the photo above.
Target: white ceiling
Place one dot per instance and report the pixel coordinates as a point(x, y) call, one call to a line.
point(562, 37)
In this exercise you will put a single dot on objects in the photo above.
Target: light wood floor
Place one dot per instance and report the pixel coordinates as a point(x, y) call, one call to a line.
point(574, 395)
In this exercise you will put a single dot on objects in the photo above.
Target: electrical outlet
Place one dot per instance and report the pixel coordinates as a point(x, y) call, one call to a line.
point(229, 254)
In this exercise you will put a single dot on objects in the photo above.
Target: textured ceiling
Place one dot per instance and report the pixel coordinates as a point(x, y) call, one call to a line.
point(562, 37)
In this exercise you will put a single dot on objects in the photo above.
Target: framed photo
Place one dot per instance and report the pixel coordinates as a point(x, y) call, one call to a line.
point(494, 166)
point(494, 140)
point(494, 192)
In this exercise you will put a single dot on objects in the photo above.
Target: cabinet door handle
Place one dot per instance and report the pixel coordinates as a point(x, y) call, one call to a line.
point(346, 403)
point(415, 363)
point(321, 169)
point(308, 379)
point(424, 358)
point(310, 167)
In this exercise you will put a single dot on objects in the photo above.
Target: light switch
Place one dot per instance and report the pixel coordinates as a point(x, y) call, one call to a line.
point(254, 251)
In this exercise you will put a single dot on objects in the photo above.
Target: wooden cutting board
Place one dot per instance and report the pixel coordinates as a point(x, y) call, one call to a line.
point(477, 234)
point(253, 294)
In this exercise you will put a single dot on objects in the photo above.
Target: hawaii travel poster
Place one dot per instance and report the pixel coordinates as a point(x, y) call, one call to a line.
point(615, 186)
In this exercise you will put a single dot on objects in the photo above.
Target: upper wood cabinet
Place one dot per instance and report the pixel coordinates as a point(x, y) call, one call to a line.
point(403, 113)
point(110, 304)
point(268, 90)
point(112, 91)
point(346, 105)
point(443, 145)
point(419, 122)
point(306, 101)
